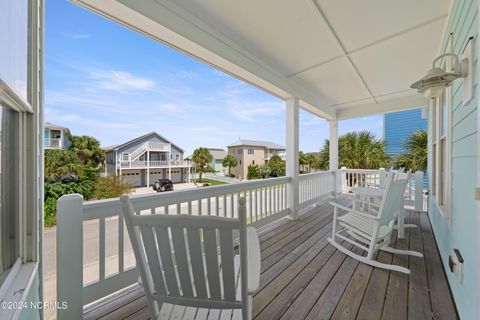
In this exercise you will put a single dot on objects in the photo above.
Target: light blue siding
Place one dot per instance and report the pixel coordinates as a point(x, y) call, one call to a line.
point(460, 233)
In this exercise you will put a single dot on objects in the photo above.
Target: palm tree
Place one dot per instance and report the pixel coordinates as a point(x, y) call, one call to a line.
point(229, 161)
point(357, 150)
point(311, 161)
point(416, 157)
point(88, 150)
point(201, 157)
point(302, 159)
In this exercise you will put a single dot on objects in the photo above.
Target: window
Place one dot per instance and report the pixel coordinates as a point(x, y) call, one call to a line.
point(250, 151)
point(56, 134)
point(9, 183)
point(177, 157)
point(20, 141)
point(240, 151)
point(440, 180)
point(125, 156)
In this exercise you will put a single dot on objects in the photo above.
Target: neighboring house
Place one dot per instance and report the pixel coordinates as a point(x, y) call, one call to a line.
point(250, 152)
point(218, 155)
point(56, 137)
point(145, 159)
point(398, 126)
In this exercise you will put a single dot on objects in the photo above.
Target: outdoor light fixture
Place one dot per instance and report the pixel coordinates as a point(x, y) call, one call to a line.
point(437, 78)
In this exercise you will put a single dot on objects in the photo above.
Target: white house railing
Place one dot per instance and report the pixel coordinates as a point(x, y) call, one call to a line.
point(266, 202)
point(53, 143)
point(154, 164)
point(315, 187)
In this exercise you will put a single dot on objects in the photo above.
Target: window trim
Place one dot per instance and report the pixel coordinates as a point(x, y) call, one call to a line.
point(30, 168)
point(441, 152)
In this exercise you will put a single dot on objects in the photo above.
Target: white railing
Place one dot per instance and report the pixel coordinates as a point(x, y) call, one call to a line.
point(138, 152)
point(266, 202)
point(155, 164)
point(361, 178)
point(53, 143)
point(350, 178)
point(315, 187)
point(158, 146)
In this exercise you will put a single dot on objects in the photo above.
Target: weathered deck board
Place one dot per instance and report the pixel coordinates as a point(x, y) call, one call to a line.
point(304, 277)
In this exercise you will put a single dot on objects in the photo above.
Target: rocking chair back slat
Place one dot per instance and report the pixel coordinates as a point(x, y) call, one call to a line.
point(178, 239)
point(163, 240)
point(194, 242)
point(228, 273)
point(391, 201)
point(211, 256)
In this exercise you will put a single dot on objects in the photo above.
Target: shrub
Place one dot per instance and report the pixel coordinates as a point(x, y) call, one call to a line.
point(252, 172)
point(111, 187)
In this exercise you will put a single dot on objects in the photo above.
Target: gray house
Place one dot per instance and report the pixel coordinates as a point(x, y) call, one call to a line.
point(145, 159)
point(56, 137)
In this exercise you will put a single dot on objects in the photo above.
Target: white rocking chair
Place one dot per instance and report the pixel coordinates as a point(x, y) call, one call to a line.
point(188, 265)
point(371, 231)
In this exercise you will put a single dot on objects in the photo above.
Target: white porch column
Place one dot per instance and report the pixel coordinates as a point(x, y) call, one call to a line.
point(148, 168)
point(333, 145)
point(292, 166)
point(170, 165)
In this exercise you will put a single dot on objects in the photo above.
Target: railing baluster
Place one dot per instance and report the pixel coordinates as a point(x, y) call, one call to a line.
point(225, 205)
point(250, 201)
point(101, 254)
point(217, 210)
point(120, 245)
point(189, 207)
point(209, 206)
point(199, 209)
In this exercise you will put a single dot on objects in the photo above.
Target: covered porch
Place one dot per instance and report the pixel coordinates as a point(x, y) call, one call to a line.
point(304, 277)
point(337, 60)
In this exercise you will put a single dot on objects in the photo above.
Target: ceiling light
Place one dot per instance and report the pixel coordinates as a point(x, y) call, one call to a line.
point(437, 79)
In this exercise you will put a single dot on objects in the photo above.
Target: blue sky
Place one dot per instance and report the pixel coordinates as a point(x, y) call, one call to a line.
point(114, 84)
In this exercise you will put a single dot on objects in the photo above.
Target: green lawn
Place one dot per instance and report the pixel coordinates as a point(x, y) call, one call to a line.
point(210, 182)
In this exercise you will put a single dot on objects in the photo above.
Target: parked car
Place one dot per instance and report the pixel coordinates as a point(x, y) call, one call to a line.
point(163, 185)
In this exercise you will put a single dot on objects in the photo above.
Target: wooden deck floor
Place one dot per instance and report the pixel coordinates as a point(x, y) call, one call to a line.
point(304, 277)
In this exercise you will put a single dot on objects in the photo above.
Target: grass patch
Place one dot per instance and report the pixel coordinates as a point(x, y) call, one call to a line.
point(210, 182)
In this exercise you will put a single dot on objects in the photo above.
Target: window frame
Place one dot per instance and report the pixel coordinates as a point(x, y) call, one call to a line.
point(29, 149)
point(441, 150)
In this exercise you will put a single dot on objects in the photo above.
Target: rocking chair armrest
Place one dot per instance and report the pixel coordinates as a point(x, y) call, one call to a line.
point(356, 212)
point(253, 254)
point(368, 202)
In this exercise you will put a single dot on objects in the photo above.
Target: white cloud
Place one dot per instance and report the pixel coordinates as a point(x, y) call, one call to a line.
point(78, 35)
point(122, 81)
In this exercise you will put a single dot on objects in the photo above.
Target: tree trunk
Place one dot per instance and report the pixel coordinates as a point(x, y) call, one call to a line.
point(229, 171)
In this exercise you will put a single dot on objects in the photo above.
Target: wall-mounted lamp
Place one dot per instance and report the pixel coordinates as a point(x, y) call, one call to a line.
point(437, 79)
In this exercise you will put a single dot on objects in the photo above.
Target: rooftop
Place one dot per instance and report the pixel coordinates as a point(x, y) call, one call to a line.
point(218, 153)
point(266, 144)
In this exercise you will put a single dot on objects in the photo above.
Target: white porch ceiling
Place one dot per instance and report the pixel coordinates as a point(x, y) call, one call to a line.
point(342, 58)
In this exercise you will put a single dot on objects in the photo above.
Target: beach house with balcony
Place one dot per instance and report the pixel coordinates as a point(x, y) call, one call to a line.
point(56, 137)
point(145, 159)
point(251, 152)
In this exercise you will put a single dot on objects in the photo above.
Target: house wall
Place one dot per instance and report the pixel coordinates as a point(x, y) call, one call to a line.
point(244, 160)
point(153, 138)
point(460, 232)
